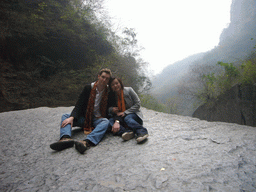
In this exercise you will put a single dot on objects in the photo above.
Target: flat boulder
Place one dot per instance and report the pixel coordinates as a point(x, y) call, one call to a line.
point(181, 154)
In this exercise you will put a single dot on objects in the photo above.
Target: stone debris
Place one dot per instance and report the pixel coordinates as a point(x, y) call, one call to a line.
point(181, 154)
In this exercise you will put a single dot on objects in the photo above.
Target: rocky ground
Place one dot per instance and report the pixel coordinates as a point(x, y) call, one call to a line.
point(181, 154)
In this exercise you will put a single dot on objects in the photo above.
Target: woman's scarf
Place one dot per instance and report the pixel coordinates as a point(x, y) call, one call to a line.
point(120, 101)
point(90, 107)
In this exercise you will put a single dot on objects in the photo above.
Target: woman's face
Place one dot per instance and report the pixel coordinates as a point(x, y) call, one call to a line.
point(115, 85)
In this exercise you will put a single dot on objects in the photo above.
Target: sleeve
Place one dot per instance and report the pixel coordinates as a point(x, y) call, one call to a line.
point(81, 104)
point(135, 102)
point(111, 103)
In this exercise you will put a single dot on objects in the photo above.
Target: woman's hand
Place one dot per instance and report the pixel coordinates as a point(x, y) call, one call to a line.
point(68, 121)
point(115, 127)
point(115, 110)
point(120, 114)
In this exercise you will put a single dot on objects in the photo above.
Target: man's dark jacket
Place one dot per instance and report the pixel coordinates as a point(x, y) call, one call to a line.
point(81, 105)
point(82, 102)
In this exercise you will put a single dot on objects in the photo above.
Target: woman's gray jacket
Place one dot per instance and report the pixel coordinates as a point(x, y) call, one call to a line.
point(132, 102)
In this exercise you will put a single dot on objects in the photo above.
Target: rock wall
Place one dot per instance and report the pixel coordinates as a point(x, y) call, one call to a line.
point(242, 21)
point(21, 89)
point(236, 43)
point(236, 106)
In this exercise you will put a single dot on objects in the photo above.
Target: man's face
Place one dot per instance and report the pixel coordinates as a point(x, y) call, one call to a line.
point(104, 78)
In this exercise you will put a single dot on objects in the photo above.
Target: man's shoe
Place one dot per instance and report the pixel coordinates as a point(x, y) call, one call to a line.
point(127, 136)
point(141, 138)
point(64, 143)
point(81, 146)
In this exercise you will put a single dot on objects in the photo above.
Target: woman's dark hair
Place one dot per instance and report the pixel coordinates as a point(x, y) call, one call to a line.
point(112, 79)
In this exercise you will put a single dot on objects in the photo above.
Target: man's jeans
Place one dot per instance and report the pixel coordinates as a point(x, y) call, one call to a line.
point(133, 122)
point(101, 125)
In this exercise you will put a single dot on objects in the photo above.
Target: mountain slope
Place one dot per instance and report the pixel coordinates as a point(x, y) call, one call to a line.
point(236, 43)
point(165, 84)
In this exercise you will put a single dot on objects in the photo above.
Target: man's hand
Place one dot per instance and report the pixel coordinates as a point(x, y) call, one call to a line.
point(115, 127)
point(120, 114)
point(68, 121)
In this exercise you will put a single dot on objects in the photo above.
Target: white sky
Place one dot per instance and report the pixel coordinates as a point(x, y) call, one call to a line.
point(171, 30)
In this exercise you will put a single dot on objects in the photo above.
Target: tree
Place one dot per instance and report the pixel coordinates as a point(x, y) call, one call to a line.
point(248, 67)
point(172, 105)
point(197, 84)
point(150, 102)
point(48, 41)
point(57, 30)
point(206, 83)
point(229, 77)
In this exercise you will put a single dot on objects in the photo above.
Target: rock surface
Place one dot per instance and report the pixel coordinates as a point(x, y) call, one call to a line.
point(238, 105)
point(181, 154)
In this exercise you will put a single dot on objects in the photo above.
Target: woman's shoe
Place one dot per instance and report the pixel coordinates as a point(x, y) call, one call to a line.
point(127, 136)
point(141, 138)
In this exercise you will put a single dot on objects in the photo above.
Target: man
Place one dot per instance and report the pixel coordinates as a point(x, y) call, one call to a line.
point(89, 113)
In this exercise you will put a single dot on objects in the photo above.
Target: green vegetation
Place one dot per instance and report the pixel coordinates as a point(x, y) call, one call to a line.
point(215, 84)
point(194, 80)
point(50, 48)
point(150, 102)
point(248, 75)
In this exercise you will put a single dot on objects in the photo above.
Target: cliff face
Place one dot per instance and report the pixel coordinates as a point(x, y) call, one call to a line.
point(21, 90)
point(236, 106)
point(236, 43)
point(242, 22)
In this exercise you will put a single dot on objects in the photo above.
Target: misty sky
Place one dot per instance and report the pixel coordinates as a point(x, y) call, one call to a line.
point(171, 30)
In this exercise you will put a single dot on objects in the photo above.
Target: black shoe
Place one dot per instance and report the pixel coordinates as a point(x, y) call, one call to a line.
point(81, 146)
point(141, 138)
point(64, 143)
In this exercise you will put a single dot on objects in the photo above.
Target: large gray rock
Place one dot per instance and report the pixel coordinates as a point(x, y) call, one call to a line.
point(181, 154)
point(238, 105)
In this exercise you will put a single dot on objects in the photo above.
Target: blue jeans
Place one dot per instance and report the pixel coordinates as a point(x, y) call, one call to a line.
point(101, 125)
point(122, 128)
point(133, 122)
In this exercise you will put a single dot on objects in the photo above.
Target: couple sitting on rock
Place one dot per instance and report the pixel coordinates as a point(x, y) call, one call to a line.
point(99, 109)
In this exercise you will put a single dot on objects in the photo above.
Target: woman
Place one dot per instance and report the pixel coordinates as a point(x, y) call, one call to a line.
point(126, 120)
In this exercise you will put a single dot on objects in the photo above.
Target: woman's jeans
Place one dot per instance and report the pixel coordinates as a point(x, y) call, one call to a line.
point(122, 128)
point(101, 125)
point(134, 122)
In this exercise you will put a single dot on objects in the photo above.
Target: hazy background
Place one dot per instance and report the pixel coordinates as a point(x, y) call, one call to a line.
point(171, 30)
